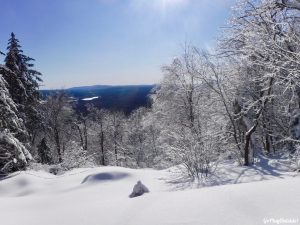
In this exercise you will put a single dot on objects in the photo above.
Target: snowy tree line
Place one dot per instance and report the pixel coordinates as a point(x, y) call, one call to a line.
point(238, 101)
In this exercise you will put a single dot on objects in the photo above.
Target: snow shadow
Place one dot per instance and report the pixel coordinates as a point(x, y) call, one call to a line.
point(107, 176)
point(7, 176)
point(179, 183)
point(177, 180)
point(227, 172)
point(3, 177)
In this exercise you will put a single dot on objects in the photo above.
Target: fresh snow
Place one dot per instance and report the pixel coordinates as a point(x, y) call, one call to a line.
point(90, 99)
point(99, 196)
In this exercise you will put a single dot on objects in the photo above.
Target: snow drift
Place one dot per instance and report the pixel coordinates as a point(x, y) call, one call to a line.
point(100, 196)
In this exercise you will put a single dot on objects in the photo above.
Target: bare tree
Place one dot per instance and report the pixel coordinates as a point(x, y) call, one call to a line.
point(100, 133)
point(185, 106)
point(116, 121)
point(262, 38)
point(58, 119)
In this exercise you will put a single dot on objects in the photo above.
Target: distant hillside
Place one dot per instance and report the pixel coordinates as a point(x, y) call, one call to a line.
point(125, 98)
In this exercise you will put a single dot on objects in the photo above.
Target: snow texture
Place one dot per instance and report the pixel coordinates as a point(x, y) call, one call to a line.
point(100, 196)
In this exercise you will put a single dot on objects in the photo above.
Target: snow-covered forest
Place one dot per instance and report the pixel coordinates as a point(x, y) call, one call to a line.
point(239, 102)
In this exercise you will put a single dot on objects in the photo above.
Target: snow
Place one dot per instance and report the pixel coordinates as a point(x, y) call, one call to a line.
point(90, 99)
point(100, 196)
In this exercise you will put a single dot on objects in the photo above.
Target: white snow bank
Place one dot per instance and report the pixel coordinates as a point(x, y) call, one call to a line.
point(100, 196)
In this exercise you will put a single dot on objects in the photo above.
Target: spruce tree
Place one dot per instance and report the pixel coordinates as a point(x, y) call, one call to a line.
point(13, 154)
point(23, 84)
point(15, 79)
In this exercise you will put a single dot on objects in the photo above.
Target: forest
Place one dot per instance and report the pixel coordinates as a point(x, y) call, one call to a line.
point(239, 101)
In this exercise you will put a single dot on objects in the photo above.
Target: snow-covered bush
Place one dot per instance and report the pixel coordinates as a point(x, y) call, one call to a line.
point(295, 158)
point(74, 157)
point(13, 154)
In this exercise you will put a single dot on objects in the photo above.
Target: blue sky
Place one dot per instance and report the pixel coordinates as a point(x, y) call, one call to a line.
point(87, 42)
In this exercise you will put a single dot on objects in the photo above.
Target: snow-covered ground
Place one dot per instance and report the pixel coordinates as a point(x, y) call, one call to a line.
point(99, 196)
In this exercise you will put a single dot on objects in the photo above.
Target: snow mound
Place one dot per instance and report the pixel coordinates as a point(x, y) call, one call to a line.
point(23, 184)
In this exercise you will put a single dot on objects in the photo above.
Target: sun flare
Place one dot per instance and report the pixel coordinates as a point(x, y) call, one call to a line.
point(171, 3)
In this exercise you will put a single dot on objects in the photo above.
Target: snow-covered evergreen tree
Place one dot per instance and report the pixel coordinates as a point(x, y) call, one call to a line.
point(23, 84)
point(13, 153)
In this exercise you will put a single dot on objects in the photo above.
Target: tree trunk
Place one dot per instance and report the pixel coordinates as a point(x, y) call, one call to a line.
point(57, 142)
point(247, 145)
point(116, 149)
point(268, 146)
point(102, 148)
point(85, 135)
point(80, 136)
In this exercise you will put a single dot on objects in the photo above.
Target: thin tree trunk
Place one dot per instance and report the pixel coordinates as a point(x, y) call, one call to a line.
point(116, 149)
point(102, 148)
point(57, 142)
point(80, 136)
point(268, 146)
point(85, 146)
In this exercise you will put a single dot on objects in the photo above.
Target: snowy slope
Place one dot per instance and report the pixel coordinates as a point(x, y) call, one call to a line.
point(99, 196)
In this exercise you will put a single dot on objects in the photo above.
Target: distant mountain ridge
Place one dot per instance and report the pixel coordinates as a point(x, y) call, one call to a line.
point(121, 97)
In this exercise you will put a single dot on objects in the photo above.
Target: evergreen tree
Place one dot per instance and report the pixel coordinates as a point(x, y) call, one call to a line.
point(23, 84)
point(13, 154)
point(16, 79)
point(44, 152)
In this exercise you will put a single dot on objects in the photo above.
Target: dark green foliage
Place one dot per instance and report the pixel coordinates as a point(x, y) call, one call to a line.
point(19, 101)
point(16, 77)
point(13, 154)
point(44, 152)
point(23, 85)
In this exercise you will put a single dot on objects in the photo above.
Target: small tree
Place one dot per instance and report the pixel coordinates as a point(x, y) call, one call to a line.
point(75, 156)
point(44, 152)
point(58, 122)
point(135, 138)
point(187, 110)
point(115, 136)
point(99, 126)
